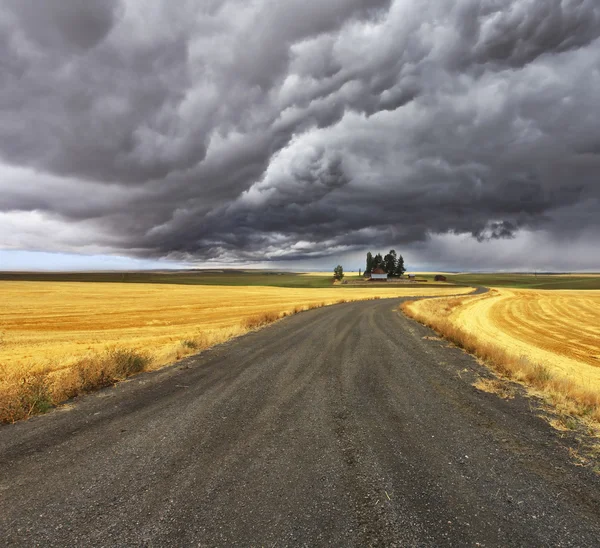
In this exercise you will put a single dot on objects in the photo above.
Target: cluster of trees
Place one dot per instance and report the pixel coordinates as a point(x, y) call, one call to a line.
point(338, 272)
point(391, 263)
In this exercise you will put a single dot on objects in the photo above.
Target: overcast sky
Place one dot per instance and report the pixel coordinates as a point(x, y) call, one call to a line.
point(300, 133)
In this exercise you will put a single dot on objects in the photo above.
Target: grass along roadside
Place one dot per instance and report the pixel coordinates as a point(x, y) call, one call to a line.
point(30, 391)
point(26, 391)
point(570, 398)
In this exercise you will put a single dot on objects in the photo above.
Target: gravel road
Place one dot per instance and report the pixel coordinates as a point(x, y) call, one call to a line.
point(346, 426)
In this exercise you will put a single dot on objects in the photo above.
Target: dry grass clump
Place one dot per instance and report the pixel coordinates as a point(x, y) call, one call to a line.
point(260, 320)
point(96, 371)
point(494, 386)
point(26, 391)
point(23, 392)
point(569, 397)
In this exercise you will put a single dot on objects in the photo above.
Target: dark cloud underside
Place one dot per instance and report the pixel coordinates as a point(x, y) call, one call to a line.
point(253, 131)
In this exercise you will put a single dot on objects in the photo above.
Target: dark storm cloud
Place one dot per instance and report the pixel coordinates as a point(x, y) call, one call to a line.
point(261, 130)
point(529, 29)
point(65, 24)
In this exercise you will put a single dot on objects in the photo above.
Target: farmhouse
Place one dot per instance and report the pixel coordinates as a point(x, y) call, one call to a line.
point(412, 277)
point(378, 274)
point(440, 278)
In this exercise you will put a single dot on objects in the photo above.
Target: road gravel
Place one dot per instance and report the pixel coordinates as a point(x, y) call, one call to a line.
point(346, 426)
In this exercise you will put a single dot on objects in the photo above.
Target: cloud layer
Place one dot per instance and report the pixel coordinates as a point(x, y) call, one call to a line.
point(257, 131)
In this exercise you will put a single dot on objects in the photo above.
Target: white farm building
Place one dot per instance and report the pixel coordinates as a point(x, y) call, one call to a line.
point(379, 274)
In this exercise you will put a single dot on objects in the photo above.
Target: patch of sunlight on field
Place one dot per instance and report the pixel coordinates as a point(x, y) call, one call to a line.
point(560, 329)
point(53, 325)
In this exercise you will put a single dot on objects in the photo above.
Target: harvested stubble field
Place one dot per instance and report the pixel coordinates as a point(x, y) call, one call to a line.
point(548, 339)
point(61, 339)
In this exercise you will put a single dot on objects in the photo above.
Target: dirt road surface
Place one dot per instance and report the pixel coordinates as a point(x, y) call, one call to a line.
point(343, 426)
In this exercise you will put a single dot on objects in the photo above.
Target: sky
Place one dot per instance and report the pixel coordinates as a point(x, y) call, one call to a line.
point(299, 134)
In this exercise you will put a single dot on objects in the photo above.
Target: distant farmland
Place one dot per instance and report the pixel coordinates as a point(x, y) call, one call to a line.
point(531, 281)
point(251, 278)
point(234, 277)
point(181, 277)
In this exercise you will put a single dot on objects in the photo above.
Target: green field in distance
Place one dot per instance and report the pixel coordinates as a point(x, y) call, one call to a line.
point(231, 277)
point(528, 281)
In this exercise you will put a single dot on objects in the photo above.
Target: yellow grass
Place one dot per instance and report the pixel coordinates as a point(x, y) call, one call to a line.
point(549, 340)
point(62, 339)
point(560, 329)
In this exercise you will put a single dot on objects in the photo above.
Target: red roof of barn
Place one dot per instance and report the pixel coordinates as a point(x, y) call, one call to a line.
point(379, 271)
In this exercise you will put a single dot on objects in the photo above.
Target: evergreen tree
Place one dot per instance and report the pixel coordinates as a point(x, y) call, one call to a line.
point(400, 270)
point(377, 261)
point(338, 272)
point(369, 263)
point(390, 263)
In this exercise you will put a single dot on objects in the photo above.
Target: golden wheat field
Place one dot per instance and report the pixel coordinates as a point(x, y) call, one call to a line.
point(548, 339)
point(55, 323)
point(560, 329)
point(73, 333)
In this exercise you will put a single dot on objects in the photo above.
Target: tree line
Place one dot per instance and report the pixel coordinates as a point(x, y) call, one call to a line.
point(391, 263)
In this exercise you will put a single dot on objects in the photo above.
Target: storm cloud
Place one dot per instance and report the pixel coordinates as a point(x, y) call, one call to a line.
point(233, 131)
